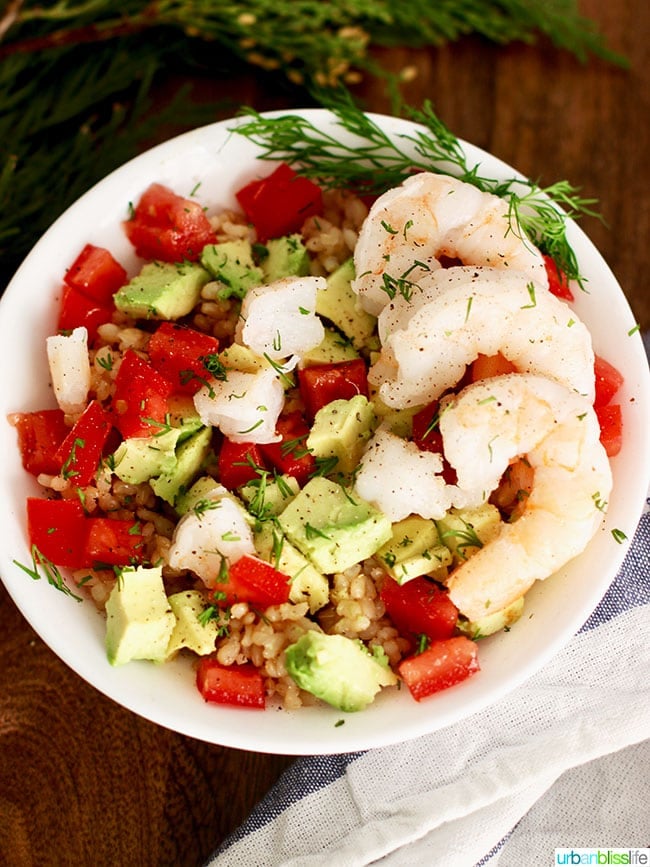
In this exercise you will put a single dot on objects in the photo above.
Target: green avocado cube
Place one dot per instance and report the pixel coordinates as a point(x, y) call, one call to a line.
point(232, 264)
point(340, 304)
point(492, 623)
point(139, 619)
point(190, 630)
point(138, 459)
point(415, 549)
point(341, 430)
point(464, 531)
point(285, 257)
point(332, 526)
point(190, 458)
point(338, 670)
point(266, 497)
point(332, 349)
point(162, 290)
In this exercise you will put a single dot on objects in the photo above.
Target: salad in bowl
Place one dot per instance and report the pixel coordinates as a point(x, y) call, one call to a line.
point(303, 434)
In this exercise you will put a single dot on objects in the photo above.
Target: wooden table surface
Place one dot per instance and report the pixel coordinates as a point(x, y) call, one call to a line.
point(84, 782)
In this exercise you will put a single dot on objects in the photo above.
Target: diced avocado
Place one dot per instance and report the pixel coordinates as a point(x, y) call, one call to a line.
point(162, 290)
point(242, 358)
point(464, 531)
point(232, 264)
point(204, 488)
point(138, 459)
point(397, 421)
point(267, 497)
point(492, 623)
point(190, 631)
point(340, 304)
point(341, 430)
point(183, 415)
point(415, 549)
point(332, 349)
point(190, 457)
point(286, 257)
point(332, 527)
point(139, 620)
point(338, 670)
point(307, 583)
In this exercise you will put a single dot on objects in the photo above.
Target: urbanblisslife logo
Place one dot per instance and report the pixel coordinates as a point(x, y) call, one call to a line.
point(598, 855)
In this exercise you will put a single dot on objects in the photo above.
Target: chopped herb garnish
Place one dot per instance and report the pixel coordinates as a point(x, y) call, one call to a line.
point(49, 571)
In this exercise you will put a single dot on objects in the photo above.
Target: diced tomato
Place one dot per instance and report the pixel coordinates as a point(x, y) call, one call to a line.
point(487, 366)
point(79, 454)
point(178, 353)
point(610, 418)
point(558, 283)
point(237, 463)
point(96, 274)
point(40, 434)
point(235, 684)
point(78, 309)
point(419, 607)
point(323, 383)
point(441, 665)
point(58, 529)
point(280, 203)
point(140, 400)
point(114, 542)
point(608, 381)
point(291, 456)
point(167, 226)
point(427, 437)
point(254, 581)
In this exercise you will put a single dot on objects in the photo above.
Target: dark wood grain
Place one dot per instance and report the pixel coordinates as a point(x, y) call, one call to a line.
point(84, 782)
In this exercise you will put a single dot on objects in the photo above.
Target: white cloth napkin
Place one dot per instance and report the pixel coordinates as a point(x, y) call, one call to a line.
point(564, 761)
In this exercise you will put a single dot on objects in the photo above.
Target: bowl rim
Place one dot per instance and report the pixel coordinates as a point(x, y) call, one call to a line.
point(309, 731)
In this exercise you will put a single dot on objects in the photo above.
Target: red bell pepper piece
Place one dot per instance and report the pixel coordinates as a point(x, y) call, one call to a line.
point(78, 309)
point(140, 399)
point(608, 381)
point(254, 581)
point(58, 529)
point(237, 463)
point(241, 685)
point(280, 203)
point(610, 418)
point(558, 283)
point(114, 542)
point(290, 456)
point(40, 434)
point(96, 274)
point(167, 226)
point(79, 454)
point(443, 664)
point(419, 607)
point(323, 383)
point(178, 353)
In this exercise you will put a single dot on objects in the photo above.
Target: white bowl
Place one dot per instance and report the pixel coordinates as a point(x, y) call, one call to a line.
point(221, 162)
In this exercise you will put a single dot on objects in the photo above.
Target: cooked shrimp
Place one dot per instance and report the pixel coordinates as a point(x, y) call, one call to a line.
point(430, 216)
point(495, 421)
point(67, 356)
point(459, 313)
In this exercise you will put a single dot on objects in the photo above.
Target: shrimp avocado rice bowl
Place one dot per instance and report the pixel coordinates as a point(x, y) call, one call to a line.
point(320, 444)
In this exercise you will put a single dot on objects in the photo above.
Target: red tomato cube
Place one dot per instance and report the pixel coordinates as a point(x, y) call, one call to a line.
point(323, 383)
point(290, 456)
point(168, 227)
point(237, 463)
point(608, 381)
point(178, 352)
point(40, 434)
point(254, 581)
point(140, 400)
point(419, 607)
point(96, 274)
point(58, 529)
point(79, 454)
point(558, 284)
point(441, 665)
point(280, 203)
point(241, 685)
point(610, 418)
point(113, 542)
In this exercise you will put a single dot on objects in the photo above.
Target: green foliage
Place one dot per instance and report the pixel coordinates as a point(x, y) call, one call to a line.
point(76, 77)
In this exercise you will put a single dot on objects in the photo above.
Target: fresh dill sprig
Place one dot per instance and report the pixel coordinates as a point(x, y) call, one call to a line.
point(43, 566)
point(372, 160)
